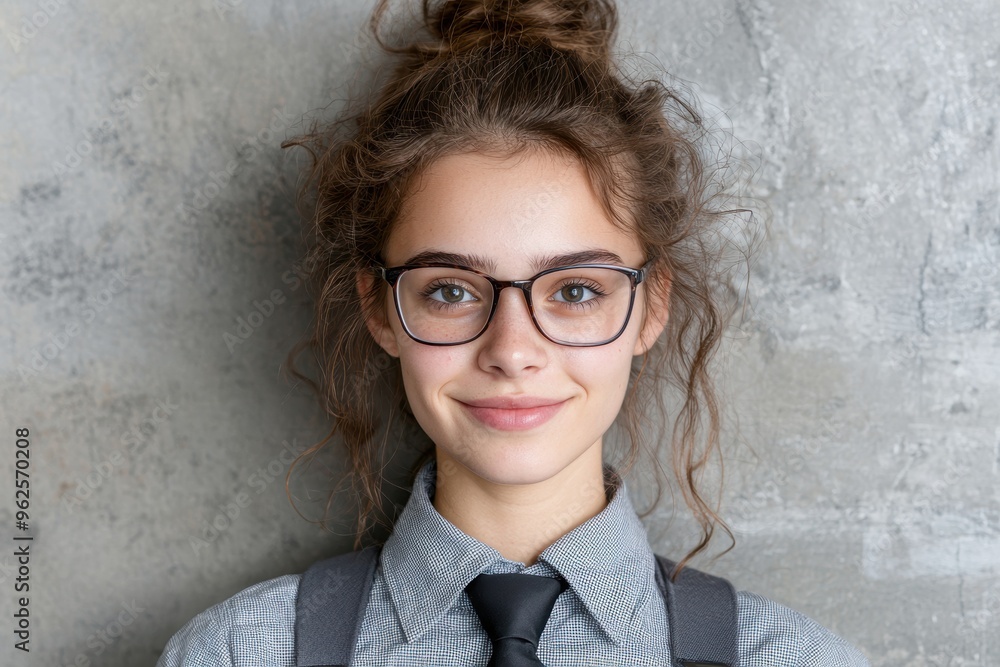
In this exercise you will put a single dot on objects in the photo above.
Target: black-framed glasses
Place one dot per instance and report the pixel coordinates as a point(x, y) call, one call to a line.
point(580, 305)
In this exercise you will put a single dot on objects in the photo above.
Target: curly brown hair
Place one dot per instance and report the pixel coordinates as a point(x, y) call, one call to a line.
point(509, 75)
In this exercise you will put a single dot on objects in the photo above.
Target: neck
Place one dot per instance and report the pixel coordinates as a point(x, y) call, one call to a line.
point(520, 520)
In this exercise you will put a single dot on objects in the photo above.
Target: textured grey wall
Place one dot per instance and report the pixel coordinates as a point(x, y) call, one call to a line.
point(865, 378)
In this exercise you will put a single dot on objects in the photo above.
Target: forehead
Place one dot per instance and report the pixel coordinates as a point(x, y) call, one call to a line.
point(502, 213)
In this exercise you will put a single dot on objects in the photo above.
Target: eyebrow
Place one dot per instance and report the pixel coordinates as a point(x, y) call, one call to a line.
point(539, 263)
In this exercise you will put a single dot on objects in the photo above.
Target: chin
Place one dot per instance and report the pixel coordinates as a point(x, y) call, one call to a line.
point(522, 468)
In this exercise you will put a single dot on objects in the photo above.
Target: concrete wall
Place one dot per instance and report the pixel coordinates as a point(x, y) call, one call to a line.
point(864, 471)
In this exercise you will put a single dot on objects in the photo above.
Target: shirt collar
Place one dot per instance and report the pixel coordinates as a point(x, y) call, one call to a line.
point(427, 561)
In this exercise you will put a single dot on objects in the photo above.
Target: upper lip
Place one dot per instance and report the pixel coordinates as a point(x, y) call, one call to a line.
point(513, 402)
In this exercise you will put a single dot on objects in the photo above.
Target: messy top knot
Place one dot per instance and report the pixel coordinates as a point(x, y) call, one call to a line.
point(584, 27)
point(519, 75)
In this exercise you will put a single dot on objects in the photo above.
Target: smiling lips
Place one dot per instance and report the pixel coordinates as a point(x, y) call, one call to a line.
point(513, 413)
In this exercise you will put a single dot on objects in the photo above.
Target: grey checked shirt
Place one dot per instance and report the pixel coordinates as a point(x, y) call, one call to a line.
point(419, 614)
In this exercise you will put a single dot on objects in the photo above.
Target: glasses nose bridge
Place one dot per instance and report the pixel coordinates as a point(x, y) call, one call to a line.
point(524, 286)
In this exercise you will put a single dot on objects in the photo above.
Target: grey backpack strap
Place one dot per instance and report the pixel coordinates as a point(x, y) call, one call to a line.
point(701, 611)
point(331, 603)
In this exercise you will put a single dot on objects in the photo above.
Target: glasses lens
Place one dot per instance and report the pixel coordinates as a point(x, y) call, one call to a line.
point(582, 306)
point(442, 305)
point(575, 305)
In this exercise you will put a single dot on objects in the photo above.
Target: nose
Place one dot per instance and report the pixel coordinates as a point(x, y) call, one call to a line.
point(511, 342)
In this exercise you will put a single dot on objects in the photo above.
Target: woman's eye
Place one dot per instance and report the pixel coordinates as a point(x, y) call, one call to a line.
point(451, 293)
point(574, 293)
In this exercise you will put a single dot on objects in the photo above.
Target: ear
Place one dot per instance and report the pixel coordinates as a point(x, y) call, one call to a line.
point(658, 308)
point(377, 322)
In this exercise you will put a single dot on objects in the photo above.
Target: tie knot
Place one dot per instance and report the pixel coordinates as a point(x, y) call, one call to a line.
point(514, 606)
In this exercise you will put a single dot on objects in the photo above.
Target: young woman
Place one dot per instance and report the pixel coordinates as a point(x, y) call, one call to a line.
point(507, 151)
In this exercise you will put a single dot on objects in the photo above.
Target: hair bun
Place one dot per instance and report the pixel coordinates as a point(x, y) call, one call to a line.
point(584, 27)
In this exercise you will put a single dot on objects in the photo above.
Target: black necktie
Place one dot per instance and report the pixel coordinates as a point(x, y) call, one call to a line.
point(513, 609)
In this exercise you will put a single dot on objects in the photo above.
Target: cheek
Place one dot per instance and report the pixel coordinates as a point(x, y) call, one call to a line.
point(427, 369)
point(603, 369)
